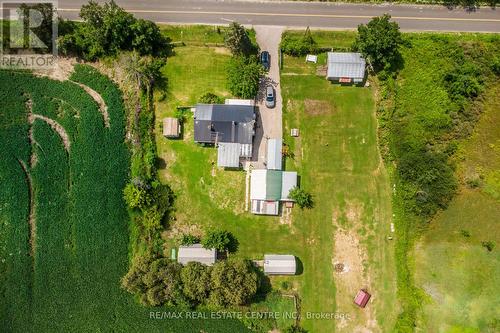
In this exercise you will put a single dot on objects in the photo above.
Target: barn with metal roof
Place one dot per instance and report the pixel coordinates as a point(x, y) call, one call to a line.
point(197, 253)
point(280, 264)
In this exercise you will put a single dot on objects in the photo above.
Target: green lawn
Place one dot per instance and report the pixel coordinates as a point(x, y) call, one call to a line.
point(338, 161)
point(458, 275)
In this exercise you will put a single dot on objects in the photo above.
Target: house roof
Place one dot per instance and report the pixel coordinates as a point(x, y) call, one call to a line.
point(226, 122)
point(362, 298)
point(171, 127)
point(197, 253)
point(279, 264)
point(274, 154)
point(271, 185)
point(228, 155)
point(346, 64)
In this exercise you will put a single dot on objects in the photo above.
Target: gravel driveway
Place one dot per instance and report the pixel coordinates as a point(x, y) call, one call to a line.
point(270, 120)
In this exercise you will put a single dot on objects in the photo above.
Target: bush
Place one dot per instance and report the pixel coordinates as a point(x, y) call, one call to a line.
point(219, 240)
point(299, 47)
point(187, 239)
point(488, 245)
point(196, 281)
point(301, 197)
point(211, 98)
point(243, 76)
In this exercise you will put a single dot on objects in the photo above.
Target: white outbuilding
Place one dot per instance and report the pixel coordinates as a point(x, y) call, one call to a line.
point(280, 264)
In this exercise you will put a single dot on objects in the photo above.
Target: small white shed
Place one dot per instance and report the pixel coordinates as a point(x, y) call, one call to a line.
point(280, 264)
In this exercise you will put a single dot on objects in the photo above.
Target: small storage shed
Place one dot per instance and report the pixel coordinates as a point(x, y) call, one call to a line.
point(362, 298)
point(171, 127)
point(280, 264)
point(346, 67)
point(274, 154)
point(197, 253)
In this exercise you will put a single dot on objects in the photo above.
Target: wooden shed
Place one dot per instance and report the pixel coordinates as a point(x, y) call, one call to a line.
point(171, 127)
point(362, 298)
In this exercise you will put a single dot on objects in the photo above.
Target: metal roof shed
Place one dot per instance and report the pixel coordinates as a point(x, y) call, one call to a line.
point(171, 127)
point(197, 253)
point(342, 65)
point(280, 264)
point(289, 181)
point(228, 155)
point(274, 154)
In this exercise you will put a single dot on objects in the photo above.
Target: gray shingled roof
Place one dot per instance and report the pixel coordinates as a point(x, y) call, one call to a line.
point(226, 122)
point(345, 65)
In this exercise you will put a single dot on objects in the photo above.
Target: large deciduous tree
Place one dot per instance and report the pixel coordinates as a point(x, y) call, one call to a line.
point(243, 76)
point(196, 281)
point(379, 41)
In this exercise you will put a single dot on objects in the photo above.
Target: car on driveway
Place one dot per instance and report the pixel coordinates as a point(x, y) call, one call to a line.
point(265, 60)
point(270, 97)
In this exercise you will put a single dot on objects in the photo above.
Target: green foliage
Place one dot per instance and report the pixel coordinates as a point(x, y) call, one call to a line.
point(234, 282)
point(294, 329)
point(488, 245)
point(136, 197)
point(187, 239)
point(108, 29)
point(220, 240)
point(243, 76)
point(301, 197)
point(211, 98)
point(196, 281)
point(379, 41)
point(238, 41)
point(298, 46)
point(143, 71)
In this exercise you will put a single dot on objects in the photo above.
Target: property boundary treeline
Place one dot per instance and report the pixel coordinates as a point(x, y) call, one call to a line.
point(424, 111)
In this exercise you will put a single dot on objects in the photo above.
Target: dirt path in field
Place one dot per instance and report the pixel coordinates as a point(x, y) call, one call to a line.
point(103, 108)
point(31, 211)
point(58, 128)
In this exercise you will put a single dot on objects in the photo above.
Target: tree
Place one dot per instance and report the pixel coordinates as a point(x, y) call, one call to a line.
point(195, 278)
point(379, 41)
point(107, 29)
point(238, 41)
point(144, 71)
point(243, 76)
point(136, 197)
point(301, 197)
point(298, 47)
point(219, 240)
point(234, 282)
point(156, 281)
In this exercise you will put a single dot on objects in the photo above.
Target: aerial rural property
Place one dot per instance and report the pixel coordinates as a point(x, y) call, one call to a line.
point(249, 166)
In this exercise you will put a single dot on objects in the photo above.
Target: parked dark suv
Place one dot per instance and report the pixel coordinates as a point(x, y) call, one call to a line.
point(265, 60)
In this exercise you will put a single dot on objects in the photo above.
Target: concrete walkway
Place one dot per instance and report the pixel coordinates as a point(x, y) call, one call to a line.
point(270, 123)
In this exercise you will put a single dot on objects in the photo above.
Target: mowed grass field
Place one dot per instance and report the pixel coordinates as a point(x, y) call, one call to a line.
point(338, 161)
point(337, 158)
point(459, 276)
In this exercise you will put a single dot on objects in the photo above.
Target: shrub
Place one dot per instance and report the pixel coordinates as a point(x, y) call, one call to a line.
point(219, 240)
point(187, 239)
point(294, 329)
point(299, 47)
point(211, 98)
point(243, 76)
point(465, 233)
point(301, 197)
point(196, 281)
point(488, 245)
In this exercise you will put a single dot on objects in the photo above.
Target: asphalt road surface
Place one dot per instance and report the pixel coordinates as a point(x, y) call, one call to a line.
point(302, 14)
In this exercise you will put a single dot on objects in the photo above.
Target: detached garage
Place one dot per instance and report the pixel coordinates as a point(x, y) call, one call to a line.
point(346, 67)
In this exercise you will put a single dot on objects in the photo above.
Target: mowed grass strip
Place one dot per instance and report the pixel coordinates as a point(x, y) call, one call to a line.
point(338, 160)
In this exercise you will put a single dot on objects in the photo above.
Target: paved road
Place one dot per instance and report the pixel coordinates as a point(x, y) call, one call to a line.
point(302, 14)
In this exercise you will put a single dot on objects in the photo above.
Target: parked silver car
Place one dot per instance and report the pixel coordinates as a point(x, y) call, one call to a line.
point(270, 97)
